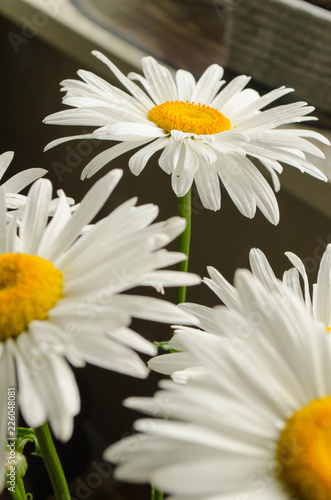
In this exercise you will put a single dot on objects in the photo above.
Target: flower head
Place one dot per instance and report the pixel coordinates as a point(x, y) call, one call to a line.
point(18, 182)
point(257, 426)
point(206, 133)
point(61, 285)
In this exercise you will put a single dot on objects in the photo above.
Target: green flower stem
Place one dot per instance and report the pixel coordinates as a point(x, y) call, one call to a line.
point(19, 493)
point(52, 462)
point(184, 210)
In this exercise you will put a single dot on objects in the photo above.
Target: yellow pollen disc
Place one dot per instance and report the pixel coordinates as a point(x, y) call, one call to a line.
point(328, 328)
point(188, 117)
point(304, 451)
point(29, 287)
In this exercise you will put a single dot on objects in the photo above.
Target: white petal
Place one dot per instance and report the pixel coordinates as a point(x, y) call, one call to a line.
point(183, 175)
point(80, 117)
point(275, 117)
point(208, 186)
point(262, 269)
point(271, 165)
point(152, 309)
point(162, 87)
point(263, 101)
point(52, 232)
point(298, 264)
point(31, 405)
point(265, 198)
point(205, 318)
point(3, 221)
point(322, 291)
point(138, 161)
point(57, 142)
point(185, 85)
point(162, 279)
point(123, 131)
point(291, 278)
point(235, 107)
point(232, 88)
point(89, 207)
point(19, 181)
point(223, 289)
point(235, 182)
point(107, 156)
point(167, 364)
point(208, 85)
point(132, 87)
point(187, 477)
point(132, 339)
point(5, 160)
point(308, 133)
point(204, 151)
point(35, 215)
point(106, 353)
point(280, 138)
point(169, 156)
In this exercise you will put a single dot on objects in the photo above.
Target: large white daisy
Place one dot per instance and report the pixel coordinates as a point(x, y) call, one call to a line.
point(18, 182)
point(61, 300)
point(182, 364)
point(206, 135)
point(257, 426)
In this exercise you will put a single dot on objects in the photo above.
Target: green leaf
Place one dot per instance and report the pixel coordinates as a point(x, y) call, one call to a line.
point(24, 436)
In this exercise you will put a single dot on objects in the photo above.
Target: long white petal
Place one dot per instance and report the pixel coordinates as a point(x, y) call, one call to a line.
point(208, 186)
point(35, 215)
point(138, 161)
point(89, 207)
point(107, 156)
point(185, 85)
point(161, 85)
point(5, 160)
point(207, 85)
point(132, 87)
point(322, 291)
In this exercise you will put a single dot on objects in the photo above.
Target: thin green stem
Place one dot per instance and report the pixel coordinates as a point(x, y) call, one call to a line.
point(184, 210)
point(52, 462)
point(20, 488)
point(19, 493)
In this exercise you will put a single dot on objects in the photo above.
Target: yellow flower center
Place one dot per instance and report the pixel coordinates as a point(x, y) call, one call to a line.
point(188, 117)
point(29, 287)
point(304, 451)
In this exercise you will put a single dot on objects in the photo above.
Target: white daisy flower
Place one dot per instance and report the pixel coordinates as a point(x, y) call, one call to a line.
point(18, 182)
point(182, 365)
point(257, 427)
point(61, 300)
point(206, 135)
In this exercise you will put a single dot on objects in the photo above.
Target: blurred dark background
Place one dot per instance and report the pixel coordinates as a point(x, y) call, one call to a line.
point(29, 90)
